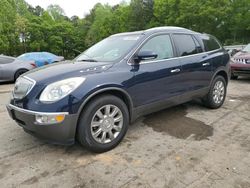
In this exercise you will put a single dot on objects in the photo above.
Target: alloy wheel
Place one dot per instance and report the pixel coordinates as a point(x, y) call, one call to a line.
point(106, 124)
point(218, 92)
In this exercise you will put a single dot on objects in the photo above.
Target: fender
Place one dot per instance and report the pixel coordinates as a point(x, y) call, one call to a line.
point(107, 88)
point(224, 69)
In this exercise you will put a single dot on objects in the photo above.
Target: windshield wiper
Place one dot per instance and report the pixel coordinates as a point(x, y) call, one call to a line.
point(88, 60)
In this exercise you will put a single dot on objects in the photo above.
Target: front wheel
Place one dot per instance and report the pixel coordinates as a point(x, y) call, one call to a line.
point(103, 123)
point(217, 93)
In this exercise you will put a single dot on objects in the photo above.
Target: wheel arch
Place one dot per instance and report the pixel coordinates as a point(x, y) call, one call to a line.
point(221, 72)
point(224, 74)
point(118, 92)
point(18, 70)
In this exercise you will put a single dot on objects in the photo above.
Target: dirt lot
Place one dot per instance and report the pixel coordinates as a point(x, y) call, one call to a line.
point(184, 146)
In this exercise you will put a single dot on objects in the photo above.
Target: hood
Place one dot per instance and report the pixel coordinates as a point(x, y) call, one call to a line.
point(67, 69)
point(242, 55)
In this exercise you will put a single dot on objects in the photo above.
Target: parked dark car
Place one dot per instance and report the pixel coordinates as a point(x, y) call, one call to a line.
point(240, 64)
point(41, 58)
point(11, 68)
point(96, 96)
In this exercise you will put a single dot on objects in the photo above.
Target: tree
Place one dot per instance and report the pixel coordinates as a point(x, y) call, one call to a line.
point(26, 28)
point(56, 12)
point(141, 13)
point(99, 28)
point(21, 26)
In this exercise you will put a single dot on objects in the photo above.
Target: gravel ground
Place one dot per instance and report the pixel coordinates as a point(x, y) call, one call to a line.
point(184, 146)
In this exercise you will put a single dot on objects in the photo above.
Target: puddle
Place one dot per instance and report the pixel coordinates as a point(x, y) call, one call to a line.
point(174, 122)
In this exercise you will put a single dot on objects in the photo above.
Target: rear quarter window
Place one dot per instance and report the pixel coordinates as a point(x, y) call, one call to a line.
point(210, 43)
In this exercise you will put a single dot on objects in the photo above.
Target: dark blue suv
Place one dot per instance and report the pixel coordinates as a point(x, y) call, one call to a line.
point(94, 97)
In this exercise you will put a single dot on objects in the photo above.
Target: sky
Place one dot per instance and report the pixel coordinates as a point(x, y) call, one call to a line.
point(73, 7)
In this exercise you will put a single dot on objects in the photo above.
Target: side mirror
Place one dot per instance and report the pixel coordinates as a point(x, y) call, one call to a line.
point(145, 55)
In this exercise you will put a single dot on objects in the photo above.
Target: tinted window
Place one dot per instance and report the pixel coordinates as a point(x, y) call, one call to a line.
point(198, 46)
point(210, 43)
point(185, 44)
point(161, 45)
point(6, 60)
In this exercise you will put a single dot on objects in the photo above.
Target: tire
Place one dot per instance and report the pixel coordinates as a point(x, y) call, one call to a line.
point(19, 73)
point(234, 77)
point(91, 113)
point(211, 100)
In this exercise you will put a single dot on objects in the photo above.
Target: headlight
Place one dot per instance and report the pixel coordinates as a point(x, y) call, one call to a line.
point(60, 89)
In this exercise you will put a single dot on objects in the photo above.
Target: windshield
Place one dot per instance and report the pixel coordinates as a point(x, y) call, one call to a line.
point(247, 48)
point(109, 49)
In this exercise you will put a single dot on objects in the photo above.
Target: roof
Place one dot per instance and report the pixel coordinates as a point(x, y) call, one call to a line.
point(169, 28)
point(158, 29)
point(36, 52)
point(4, 56)
point(129, 33)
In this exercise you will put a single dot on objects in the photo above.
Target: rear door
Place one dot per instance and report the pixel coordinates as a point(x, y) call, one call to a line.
point(196, 66)
point(214, 50)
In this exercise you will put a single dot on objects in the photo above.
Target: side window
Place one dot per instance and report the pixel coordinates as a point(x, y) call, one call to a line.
point(185, 44)
point(161, 45)
point(210, 43)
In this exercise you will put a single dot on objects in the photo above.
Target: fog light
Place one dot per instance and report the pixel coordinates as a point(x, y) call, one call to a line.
point(49, 119)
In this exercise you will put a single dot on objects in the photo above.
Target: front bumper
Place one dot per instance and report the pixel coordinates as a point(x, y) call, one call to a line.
point(61, 133)
point(238, 69)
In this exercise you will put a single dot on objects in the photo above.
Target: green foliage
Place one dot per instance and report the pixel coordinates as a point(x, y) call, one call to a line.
point(25, 28)
point(56, 12)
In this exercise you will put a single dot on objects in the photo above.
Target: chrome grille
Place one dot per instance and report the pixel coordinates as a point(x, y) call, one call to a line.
point(22, 87)
point(244, 61)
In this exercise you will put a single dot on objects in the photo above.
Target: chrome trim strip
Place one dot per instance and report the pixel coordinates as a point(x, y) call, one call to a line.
point(10, 106)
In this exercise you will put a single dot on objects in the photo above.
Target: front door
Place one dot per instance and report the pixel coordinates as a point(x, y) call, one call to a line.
point(157, 80)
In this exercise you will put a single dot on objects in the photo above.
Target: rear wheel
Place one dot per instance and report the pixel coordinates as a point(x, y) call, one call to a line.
point(19, 73)
point(217, 93)
point(103, 123)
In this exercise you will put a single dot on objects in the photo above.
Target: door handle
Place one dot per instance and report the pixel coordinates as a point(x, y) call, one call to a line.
point(175, 70)
point(205, 64)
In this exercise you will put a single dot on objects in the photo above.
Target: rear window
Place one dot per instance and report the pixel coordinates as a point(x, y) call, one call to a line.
point(185, 44)
point(6, 60)
point(210, 43)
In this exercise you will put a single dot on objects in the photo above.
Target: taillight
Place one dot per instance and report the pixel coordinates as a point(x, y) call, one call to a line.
point(33, 65)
